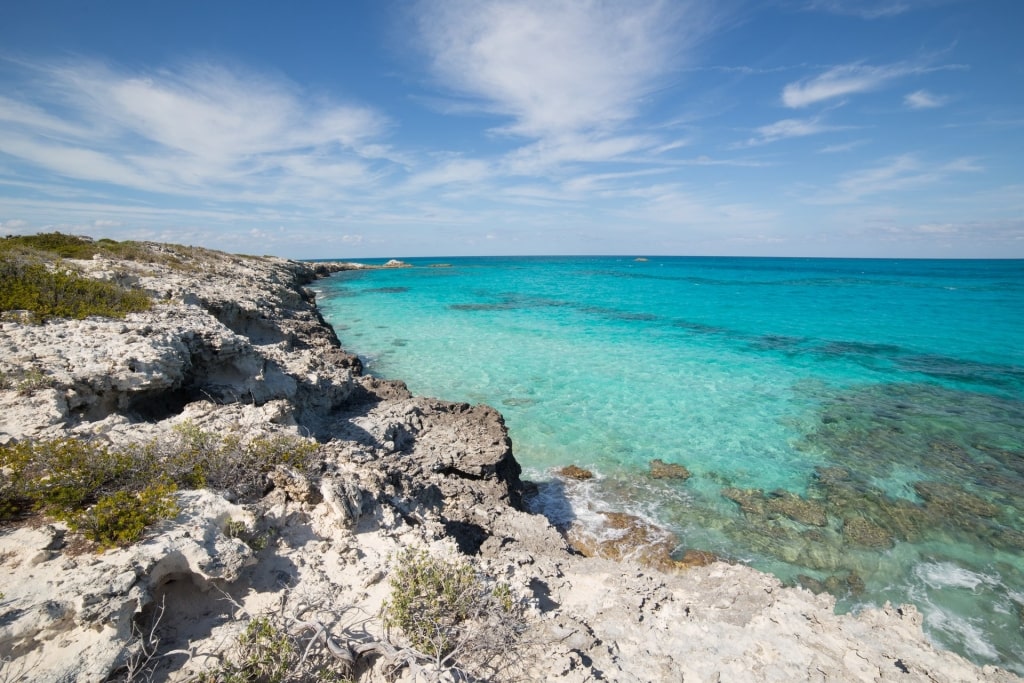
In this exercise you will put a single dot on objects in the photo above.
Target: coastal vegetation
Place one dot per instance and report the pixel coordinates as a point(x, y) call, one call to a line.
point(111, 495)
point(451, 617)
point(34, 277)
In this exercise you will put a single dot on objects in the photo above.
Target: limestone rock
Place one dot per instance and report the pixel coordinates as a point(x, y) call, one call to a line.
point(668, 470)
point(576, 472)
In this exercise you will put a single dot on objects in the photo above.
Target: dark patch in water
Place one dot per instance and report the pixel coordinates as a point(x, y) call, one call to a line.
point(386, 290)
point(857, 348)
point(699, 327)
point(514, 401)
point(945, 367)
point(617, 314)
point(777, 342)
point(506, 306)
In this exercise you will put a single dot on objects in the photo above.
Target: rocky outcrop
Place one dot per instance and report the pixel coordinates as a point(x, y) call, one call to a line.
point(236, 346)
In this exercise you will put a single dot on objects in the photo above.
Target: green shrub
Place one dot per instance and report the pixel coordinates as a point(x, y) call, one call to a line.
point(449, 615)
point(26, 382)
point(196, 458)
point(111, 496)
point(122, 517)
point(56, 292)
point(57, 476)
point(267, 653)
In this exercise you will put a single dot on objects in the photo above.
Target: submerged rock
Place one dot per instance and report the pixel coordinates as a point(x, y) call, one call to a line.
point(668, 470)
point(621, 536)
point(953, 501)
point(798, 509)
point(861, 532)
point(575, 472)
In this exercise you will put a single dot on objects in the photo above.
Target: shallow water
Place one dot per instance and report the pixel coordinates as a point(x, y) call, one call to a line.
point(855, 425)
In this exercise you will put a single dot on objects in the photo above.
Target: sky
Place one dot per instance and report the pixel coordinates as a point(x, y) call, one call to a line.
point(391, 128)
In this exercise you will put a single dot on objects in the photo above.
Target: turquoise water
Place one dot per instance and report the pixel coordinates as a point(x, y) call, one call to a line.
point(855, 425)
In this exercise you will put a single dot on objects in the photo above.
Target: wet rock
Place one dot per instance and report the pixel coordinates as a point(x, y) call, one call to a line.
point(953, 501)
point(751, 501)
point(622, 536)
point(668, 470)
point(798, 509)
point(861, 532)
point(838, 585)
point(697, 558)
point(831, 476)
point(575, 472)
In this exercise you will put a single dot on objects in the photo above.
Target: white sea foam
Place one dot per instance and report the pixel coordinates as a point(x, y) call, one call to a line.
point(949, 575)
point(962, 630)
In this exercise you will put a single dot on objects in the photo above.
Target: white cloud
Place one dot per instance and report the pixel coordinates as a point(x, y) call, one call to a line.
point(201, 131)
point(558, 66)
point(842, 147)
point(849, 79)
point(871, 9)
point(922, 99)
point(896, 174)
point(787, 128)
point(866, 9)
point(13, 226)
point(548, 154)
point(451, 171)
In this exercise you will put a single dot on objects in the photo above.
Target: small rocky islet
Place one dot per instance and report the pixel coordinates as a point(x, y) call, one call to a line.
point(234, 350)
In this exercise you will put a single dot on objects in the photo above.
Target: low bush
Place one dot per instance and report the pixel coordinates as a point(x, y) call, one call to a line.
point(106, 494)
point(451, 617)
point(121, 518)
point(196, 458)
point(46, 246)
point(25, 381)
point(267, 653)
point(111, 495)
point(56, 292)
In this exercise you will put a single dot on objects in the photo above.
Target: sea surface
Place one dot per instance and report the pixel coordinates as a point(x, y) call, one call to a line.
point(850, 425)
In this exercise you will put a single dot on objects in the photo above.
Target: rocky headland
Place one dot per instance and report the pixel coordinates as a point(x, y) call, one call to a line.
point(234, 350)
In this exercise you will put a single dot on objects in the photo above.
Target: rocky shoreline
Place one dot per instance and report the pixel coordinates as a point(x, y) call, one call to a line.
point(236, 346)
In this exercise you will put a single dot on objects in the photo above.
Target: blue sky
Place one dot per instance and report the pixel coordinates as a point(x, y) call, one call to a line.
point(368, 129)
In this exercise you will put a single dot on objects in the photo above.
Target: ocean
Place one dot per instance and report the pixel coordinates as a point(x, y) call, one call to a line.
point(850, 425)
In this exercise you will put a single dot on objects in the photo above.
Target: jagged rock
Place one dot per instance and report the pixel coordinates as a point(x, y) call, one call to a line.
point(952, 501)
point(668, 470)
point(82, 630)
point(859, 531)
point(575, 472)
point(345, 499)
point(295, 485)
point(798, 509)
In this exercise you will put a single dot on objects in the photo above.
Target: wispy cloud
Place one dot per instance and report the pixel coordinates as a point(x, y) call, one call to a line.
point(850, 79)
point(556, 66)
point(548, 154)
point(787, 128)
point(870, 9)
point(922, 99)
point(896, 174)
point(842, 147)
point(201, 130)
